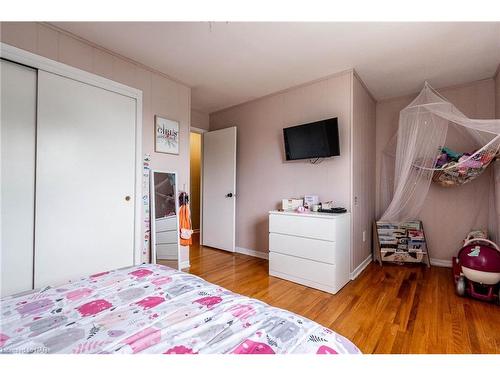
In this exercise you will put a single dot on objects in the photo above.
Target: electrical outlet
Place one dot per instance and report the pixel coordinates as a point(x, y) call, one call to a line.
point(364, 236)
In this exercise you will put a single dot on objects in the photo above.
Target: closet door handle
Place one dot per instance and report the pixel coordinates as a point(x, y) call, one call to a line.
point(127, 198)
point(229, 195)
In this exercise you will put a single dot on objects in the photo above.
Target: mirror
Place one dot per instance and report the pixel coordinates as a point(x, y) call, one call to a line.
point(164, 221)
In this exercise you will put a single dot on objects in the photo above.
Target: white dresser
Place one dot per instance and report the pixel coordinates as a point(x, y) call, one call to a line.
point(167, 238)
point(311, 249)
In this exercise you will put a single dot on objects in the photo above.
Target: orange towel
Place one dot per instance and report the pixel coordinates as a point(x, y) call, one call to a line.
point(185, 223)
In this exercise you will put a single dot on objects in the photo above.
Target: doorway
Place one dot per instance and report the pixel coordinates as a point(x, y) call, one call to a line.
point(195, 161)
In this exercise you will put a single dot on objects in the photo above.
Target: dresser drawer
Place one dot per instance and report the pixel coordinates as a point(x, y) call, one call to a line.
point(318, 250)
point(166, 237)
point(311, 227)
point(302, 270)
point(166, 223)
point(168, 251)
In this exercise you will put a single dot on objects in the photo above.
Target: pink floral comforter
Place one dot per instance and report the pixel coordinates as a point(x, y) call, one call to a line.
point(155, 309)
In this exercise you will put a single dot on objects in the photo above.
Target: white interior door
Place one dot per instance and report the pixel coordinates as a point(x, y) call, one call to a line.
point(85, 178)
point(219, 189)
point(18, 134)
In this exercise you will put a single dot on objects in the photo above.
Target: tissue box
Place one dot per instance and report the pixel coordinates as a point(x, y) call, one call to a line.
point(291, 204)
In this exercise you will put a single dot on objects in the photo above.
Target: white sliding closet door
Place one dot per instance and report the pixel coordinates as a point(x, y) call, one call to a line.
point(18, 124)
point(85, 180)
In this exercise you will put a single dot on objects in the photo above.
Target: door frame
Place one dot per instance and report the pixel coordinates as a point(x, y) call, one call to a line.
point(200, 131)
point(29, 59)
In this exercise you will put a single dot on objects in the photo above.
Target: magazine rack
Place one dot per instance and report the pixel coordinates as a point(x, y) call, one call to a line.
point(400, 242)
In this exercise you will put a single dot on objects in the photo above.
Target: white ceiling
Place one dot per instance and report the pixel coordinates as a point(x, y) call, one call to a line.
point(231, 63)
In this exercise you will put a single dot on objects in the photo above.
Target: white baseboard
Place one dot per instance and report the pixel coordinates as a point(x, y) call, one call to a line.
point(252, 253)
point(184, 264)
point(361, 267)
point(441, 263)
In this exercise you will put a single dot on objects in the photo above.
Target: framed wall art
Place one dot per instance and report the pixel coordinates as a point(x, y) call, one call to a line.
point(166, 135)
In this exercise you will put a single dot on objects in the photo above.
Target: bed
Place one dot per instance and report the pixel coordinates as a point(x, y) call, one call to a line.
point(155, 309)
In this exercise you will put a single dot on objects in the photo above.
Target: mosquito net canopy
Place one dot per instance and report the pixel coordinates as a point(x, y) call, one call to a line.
point(416, 156)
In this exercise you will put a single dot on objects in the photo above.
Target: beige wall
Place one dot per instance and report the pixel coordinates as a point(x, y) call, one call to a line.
point(161, 95)
point(447, 213)
point(363, 170)
point(263, 175)
point(195, 180)
point(200, 119)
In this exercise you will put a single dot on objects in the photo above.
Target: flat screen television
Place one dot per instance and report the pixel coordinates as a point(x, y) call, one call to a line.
point(318, 139)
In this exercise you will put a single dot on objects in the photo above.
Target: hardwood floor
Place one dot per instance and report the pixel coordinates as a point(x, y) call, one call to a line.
point(390, 309)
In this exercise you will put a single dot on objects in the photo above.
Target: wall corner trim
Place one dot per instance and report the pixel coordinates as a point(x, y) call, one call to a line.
point(252, 253)
point(359, 269)
point(356, 75)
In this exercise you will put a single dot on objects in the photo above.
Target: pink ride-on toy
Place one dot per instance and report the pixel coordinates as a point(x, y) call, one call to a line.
point(476, 270)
